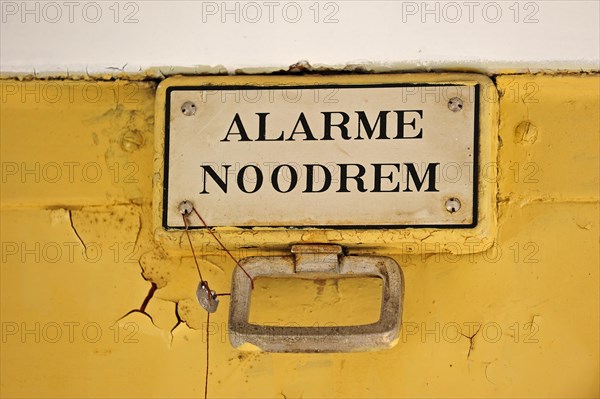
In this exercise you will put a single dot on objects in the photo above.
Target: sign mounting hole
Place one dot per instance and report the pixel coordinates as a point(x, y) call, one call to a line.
point(452, 205)
point(188, 108)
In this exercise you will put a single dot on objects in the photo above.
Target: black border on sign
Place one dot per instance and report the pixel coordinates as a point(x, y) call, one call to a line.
point(170, 89)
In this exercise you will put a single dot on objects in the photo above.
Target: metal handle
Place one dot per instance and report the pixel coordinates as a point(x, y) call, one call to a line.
point(317, 261)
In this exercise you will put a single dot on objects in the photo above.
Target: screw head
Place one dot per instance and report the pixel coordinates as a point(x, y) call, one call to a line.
point(526, 133)
point(188, 108)
point(185, 208)
point(132, 141)
point(455, 104)
point(452, 205)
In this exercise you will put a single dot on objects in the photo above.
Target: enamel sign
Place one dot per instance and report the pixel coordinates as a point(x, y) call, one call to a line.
point(327, 156)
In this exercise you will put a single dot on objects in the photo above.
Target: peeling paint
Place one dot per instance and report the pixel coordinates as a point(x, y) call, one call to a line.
point(543, 300)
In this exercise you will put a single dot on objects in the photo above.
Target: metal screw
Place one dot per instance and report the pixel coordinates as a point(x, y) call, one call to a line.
point(188, 108)
point(455, 104)
point(185, 208)
point(526, 133)
point(452, 205)
point(132, 140)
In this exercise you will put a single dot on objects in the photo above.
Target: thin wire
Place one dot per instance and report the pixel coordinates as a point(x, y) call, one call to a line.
point(207, 354)
point(222, 246)
point(193, 253)
point(205, 283)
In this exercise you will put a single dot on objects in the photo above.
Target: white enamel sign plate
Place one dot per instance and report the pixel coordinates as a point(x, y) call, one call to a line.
point(361, 156)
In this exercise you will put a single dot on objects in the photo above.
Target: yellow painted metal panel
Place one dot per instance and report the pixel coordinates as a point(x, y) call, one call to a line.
point(549, 137)
point(76, 142)
point(517, 320)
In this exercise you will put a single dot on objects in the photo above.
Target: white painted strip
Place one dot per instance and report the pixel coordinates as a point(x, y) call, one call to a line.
point(106, 36)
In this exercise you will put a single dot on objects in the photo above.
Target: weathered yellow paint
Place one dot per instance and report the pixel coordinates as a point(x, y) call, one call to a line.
point(518, 320)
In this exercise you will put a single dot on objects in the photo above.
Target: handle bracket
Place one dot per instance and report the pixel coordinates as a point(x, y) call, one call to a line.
point(316, 260)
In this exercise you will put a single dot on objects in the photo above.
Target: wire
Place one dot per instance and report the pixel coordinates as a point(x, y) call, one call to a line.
point(222, 246)
point(192, 248)
point(205, 284)
point(207, 355)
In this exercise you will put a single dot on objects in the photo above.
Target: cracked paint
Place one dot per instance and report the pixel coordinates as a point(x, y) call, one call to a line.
point(76, 233)
point(142, 308)
point(471, 339)
point(86, 253)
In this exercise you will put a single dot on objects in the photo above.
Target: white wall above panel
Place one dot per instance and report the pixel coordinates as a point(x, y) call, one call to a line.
point(105, 36)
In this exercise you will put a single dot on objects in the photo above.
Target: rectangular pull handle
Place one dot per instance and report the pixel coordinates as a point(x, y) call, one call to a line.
point(315, 261)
